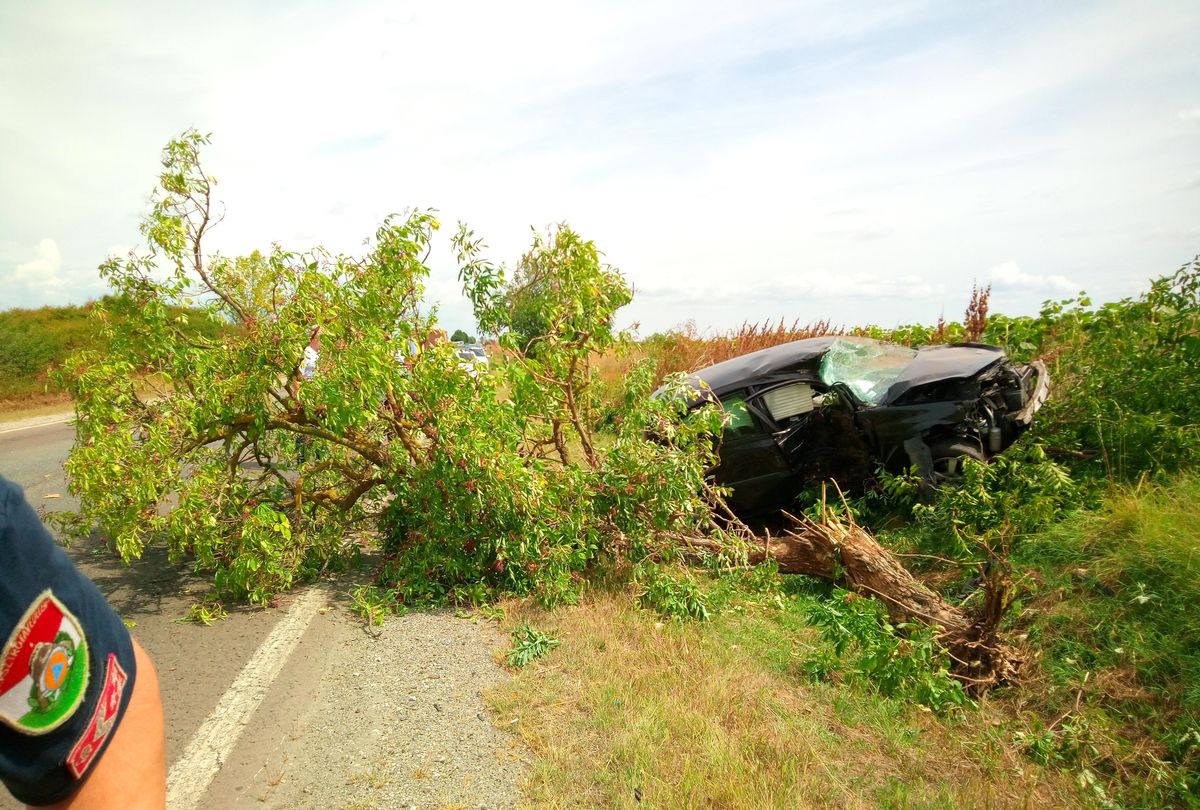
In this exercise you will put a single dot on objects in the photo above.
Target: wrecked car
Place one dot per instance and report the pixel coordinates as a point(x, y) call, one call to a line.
point(840, 407)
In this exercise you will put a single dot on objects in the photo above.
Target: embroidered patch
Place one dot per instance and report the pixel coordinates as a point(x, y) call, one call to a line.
point(45, 668)
point(81, 756)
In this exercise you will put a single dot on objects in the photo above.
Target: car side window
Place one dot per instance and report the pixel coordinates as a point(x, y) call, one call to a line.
point(789, 403)
point(741, 421)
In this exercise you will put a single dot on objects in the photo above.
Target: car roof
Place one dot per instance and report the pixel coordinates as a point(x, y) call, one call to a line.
point(931, 363)
point(784, 359)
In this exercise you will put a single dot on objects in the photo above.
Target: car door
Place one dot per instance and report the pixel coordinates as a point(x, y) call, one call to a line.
point(819, 432)
point(751, 460)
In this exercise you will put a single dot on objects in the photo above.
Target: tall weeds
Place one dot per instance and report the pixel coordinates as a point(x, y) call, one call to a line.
point(688, 348)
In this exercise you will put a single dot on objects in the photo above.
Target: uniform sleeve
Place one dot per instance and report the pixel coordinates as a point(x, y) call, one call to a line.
point(67, 669)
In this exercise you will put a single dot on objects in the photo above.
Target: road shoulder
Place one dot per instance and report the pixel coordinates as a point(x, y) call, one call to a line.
point(394, 718)
point(25, 422)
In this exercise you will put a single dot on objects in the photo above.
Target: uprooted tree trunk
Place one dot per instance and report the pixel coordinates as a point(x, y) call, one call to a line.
point(844, 551)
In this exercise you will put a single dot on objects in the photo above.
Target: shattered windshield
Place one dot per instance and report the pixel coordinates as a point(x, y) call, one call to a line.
point(866, 367)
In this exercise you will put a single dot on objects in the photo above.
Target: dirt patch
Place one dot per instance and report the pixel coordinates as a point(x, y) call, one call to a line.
point(14, 407)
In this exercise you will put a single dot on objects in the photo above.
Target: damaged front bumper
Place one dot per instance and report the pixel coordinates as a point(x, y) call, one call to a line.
point(1037, 398)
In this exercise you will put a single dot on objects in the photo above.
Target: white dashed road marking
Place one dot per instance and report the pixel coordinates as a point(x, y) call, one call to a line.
point(192, 773)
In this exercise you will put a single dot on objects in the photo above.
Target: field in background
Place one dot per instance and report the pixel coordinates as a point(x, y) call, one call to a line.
point(687, 348)
point(34, 341)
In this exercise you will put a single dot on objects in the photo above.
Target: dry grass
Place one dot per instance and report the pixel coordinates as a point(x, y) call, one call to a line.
point(630, 711)
point(34, 405)
point(687, 349)
point(611, 369)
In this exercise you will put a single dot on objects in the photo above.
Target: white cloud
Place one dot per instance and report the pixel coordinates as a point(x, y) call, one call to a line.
point(43, 270)
point(709, 148)
point(39, 275)
point(1009, 275)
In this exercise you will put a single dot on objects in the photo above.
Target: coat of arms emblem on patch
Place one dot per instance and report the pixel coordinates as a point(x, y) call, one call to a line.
point(45, 668)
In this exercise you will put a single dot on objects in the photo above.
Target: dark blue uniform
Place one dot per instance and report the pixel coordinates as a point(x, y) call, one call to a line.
point(66, 668)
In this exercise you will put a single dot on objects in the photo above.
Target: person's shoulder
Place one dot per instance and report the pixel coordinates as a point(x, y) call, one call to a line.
point(10, 494)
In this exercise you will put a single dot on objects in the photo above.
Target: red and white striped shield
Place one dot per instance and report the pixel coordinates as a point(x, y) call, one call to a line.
point(45, 668)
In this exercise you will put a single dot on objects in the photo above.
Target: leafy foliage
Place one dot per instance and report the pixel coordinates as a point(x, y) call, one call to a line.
point(373, 603)
point(528, 644)
point(672, 594)
point(223, 435)
point(37, 341)
point(206, 612)
point(28, 351)
point(996, 504)
point(866, 649)
point(265, 471)
point(1126, 377)
point(560, 294)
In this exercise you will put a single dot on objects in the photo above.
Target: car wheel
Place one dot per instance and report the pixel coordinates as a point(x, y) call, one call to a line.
point(948, 458)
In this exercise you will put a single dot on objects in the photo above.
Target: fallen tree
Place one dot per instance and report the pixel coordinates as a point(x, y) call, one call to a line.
point(838, 549)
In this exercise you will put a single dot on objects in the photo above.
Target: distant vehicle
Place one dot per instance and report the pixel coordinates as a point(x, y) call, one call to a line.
point(478, 350)
point(838, 407)
point(472, 358)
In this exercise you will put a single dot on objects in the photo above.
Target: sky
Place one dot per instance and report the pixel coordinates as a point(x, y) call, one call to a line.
point(855, 162)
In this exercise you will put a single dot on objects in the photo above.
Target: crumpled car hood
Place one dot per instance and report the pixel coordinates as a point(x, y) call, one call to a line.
point(944, 362)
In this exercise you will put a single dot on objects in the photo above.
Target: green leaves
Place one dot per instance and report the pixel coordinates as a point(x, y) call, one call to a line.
point(1125, 375)
point(672, 594)
point(517, 493)
point(528, 645)
point(900, 661)
point(200, 431)
point(1015, 495)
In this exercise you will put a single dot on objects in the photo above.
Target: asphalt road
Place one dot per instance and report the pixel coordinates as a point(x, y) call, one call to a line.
point(196, 664)
point(240, 695)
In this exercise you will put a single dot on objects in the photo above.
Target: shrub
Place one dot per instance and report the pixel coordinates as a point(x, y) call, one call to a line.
point(1126, 377)
point(996, 505)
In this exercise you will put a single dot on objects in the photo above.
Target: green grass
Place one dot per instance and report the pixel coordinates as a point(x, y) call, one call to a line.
point(34, 341)
point(1113, 625)
point(725, 713)
point(633, 710)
